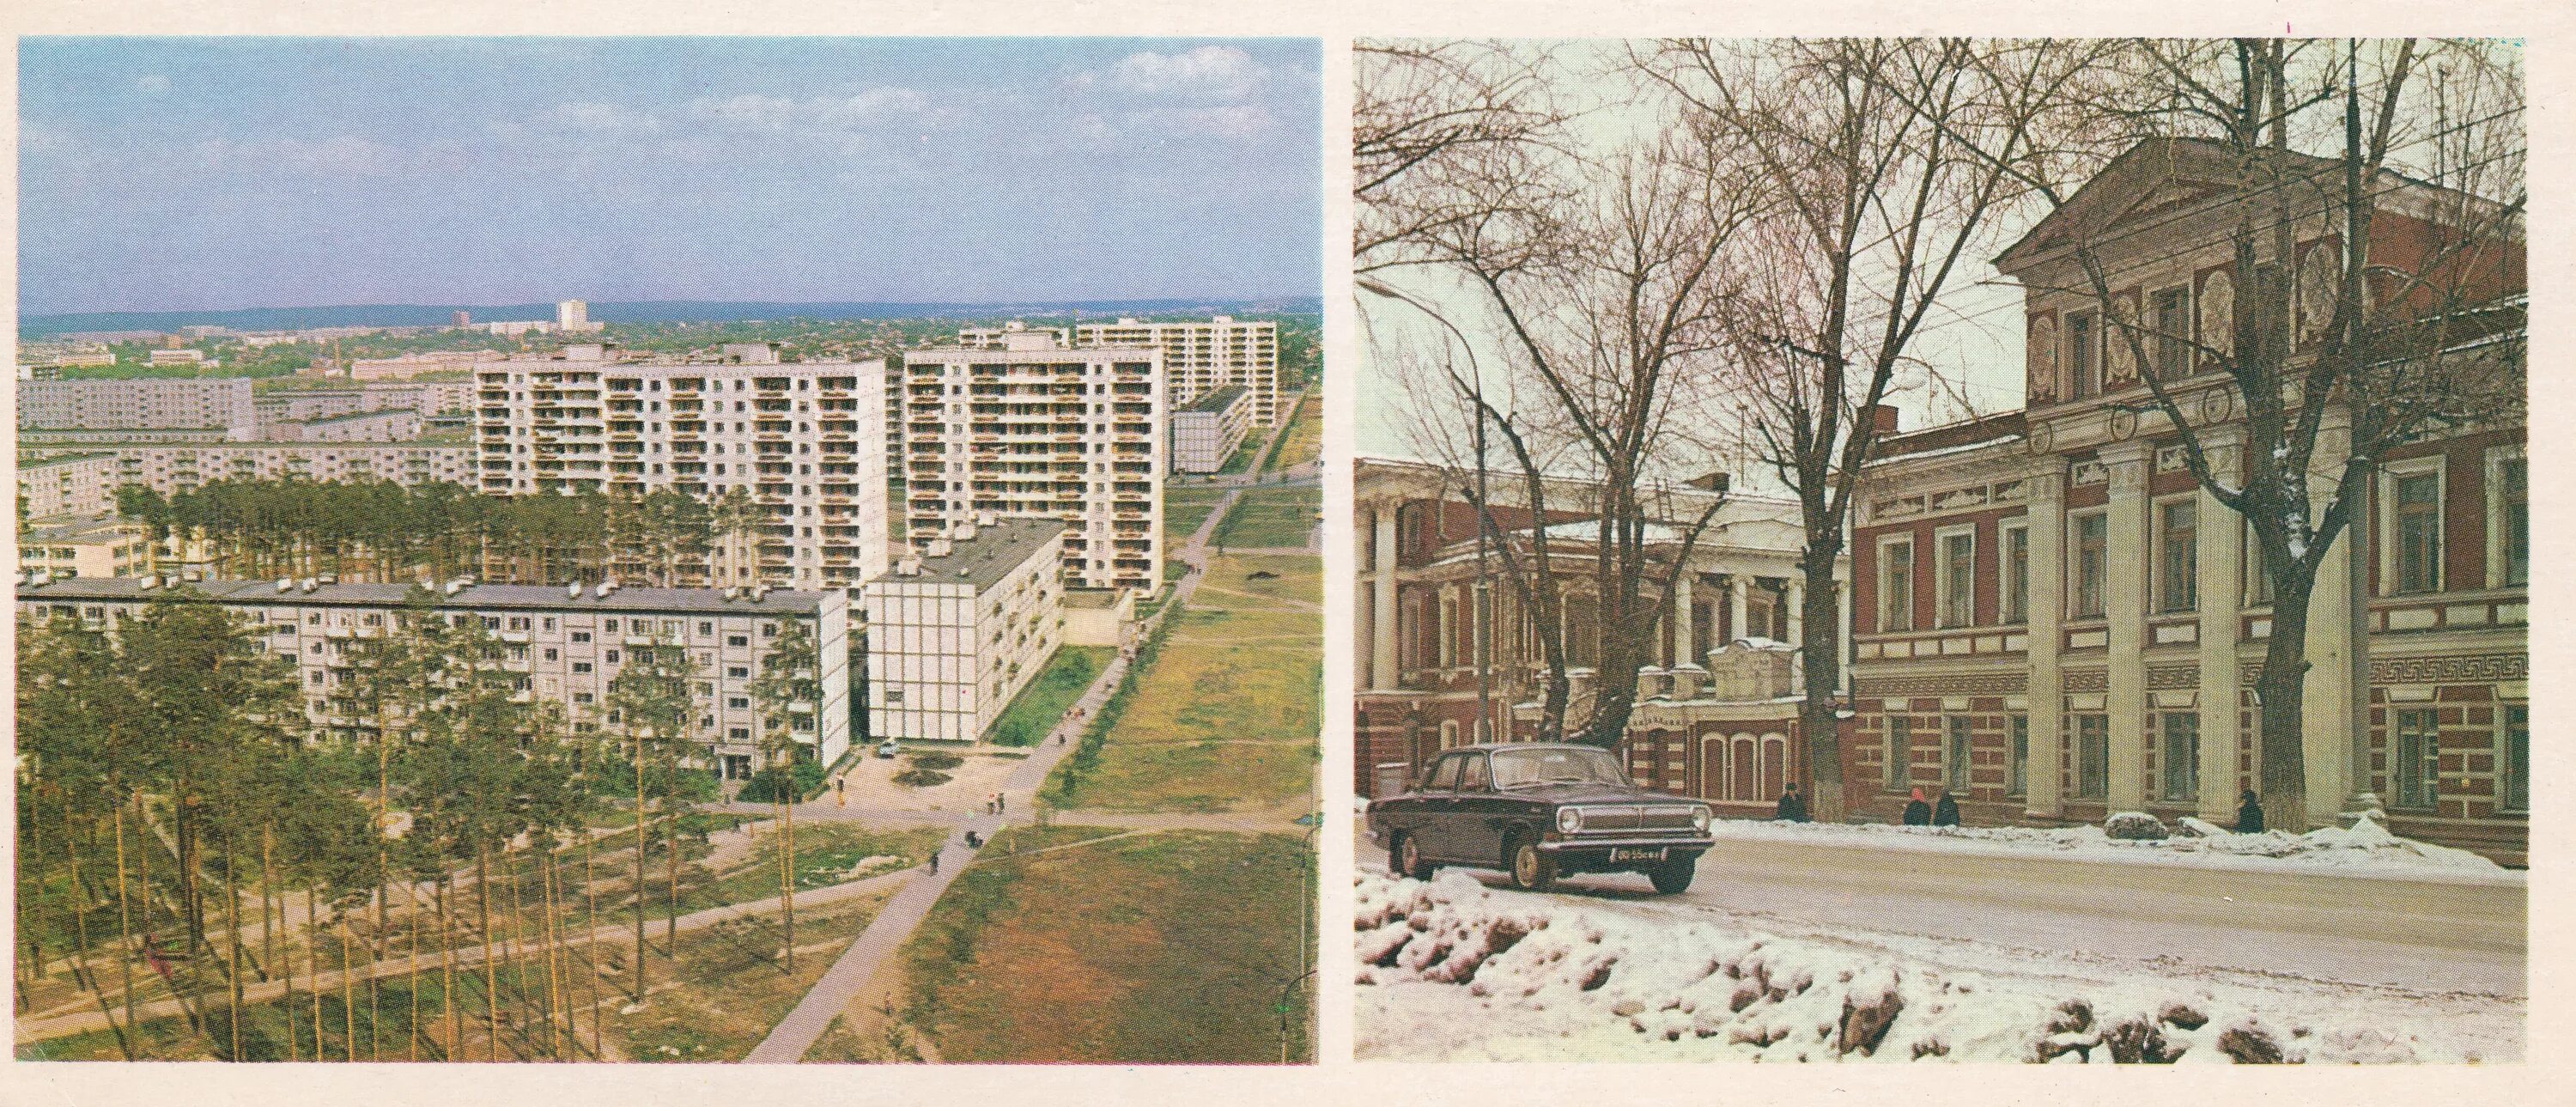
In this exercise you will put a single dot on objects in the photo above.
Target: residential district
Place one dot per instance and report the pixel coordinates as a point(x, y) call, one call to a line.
point(949, 626)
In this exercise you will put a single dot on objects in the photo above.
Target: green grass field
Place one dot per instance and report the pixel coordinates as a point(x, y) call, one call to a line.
point(1170, 947)
point(1049, 695)
point(1305, 439)
point(1271, 518)
point(1185, 508)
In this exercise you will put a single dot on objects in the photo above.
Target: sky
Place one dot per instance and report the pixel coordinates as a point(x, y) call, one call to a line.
point(207, 174)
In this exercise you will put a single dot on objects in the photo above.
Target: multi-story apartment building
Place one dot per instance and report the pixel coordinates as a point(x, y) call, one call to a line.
point(80, 483)
point(1036, 430)
point(1199, 356)
point(956, 630)
point(801, 439)
point(406, 366)
point(566, 647)
point(83, 546)
point(2055, 620)
point(396, 424)
point(168, 467)
point(1449, 655)
point(427, 398)
point(1206, 431)
point(218, 403)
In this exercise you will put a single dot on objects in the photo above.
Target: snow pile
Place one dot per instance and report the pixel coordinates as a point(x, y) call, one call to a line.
point(1452, 971)
point(2364, 849)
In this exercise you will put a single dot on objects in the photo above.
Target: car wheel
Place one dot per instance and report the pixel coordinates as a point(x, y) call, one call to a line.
point(1672, 878)
point(1406, 859)
point(1532, 869)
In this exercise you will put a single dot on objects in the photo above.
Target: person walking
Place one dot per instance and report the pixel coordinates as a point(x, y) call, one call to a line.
point(1917, 812)
point(841, 791)
point(2249, 813)
point(934, 858)
point(1793, 808)
point(1946, 813)
point(1001, 803)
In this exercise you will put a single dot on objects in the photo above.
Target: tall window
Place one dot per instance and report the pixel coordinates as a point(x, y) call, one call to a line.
point(2092, 532)
point(2513, 760)
point(2016, 572)
point(1954, 757)
point(1900, 734)
point(2084, 355)
point(2169, 312)
point(2513, 522)
point(1958, 552)
point(1896, 585)
point(2417, 766)
point(2178, 555)
point(2416, 518)
point(2017, 778)
point(2092, 756)
point(2258, 583)
point(2181, 755)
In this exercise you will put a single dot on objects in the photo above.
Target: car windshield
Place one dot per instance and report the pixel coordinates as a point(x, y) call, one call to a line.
point(1524, 768)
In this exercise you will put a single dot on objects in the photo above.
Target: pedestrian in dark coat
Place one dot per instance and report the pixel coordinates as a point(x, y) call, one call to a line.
point(1793, 808)
point(1917, 812)
point(1946, 813)
point(2249, 813)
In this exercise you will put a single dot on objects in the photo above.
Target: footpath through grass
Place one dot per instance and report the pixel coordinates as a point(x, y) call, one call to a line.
point(1184, 508)
point(1173, 947)
point(1224, 714)
point(1304, 440)
point(1049, 695)
point(1271, 518)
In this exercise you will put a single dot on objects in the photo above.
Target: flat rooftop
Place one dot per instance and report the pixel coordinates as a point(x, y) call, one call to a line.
point(982, 561)
point(1218, 399)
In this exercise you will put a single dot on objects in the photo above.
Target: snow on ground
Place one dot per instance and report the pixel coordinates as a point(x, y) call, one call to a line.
point(1451, 970)
point(2365, 849)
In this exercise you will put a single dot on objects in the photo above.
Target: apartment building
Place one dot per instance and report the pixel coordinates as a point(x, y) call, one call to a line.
point(1199, 356)
point(424, 397)
point(802, 439)
point(380, 425)
point(566, 644)
point(168, 467)
point(1034, 429)
point(2055, 620)
point(83, 546)
point(220, 403)
point(81, 483)
point(405, 366)
point(957, 629)
point(1206, 431)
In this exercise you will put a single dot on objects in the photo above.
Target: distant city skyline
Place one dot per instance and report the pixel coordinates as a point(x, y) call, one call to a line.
point(224, 174)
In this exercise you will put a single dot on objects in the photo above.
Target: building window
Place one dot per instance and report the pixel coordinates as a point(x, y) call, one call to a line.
point(580, 636)
point(737, 640)
point(2415, 524)
point(1892, 759)
point(1896, 584)
point(2258, 581)
point(2083, 355)
point(1954, 760)
point(2181, 755)
point(2509, 500)
point(2178, 555)
point(2513, 759)
point(2017, 778)
point(2418, 764)
point(2092, 756)
point(1958, 577)
point(2169, 312)
point(2016, 573)
point(2091, 533)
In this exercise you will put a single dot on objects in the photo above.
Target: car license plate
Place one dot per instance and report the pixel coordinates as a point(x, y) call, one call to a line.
point(1632, 854)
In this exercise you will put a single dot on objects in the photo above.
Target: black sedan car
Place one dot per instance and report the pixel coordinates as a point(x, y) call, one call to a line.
point(1539, 811)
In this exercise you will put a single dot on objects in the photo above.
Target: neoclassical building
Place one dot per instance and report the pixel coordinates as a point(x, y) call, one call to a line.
point(2055, 621)
point(1717, 713)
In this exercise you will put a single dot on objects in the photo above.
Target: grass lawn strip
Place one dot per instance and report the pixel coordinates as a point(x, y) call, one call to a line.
point(1051, 693)
point(1266, 518)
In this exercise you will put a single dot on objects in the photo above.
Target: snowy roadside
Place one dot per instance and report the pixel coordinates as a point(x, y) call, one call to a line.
point(1452, 970)
point(2365, 850)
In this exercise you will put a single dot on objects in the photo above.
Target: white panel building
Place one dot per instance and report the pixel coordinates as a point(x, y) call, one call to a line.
point(958, 629)
point(1199, 356)
point(1206, 431)
point(208, 404)
point(1036, 430)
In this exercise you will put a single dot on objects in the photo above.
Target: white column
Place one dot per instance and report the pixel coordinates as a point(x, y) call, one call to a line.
point(2124, 603)
point(2045, 694)
point(2221, 591)
point(1682, 621)
point(1736, 590)
point(2326, 710)
point(1795, 595)
point(1382, 603)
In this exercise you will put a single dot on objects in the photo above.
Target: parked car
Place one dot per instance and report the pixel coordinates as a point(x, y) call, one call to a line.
point(1540, 811)
point(888, 748)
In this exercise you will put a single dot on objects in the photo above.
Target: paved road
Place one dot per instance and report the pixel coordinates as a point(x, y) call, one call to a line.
point(2416, 934)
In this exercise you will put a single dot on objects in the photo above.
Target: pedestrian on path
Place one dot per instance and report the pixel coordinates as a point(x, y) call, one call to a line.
point(841, 791)
point(1917, 812)
point(1793, 807)
point(1946, 813)
point(934, 858)
point(2249, 813)
point(1001, 803)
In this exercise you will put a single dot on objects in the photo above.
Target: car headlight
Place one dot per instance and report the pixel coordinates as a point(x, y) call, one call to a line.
point(1569, 819)
point(1699, 819)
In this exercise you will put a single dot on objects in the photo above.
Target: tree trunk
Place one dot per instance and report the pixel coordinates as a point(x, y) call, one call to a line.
point(636, 970)
point(2281, 689)
point(787, 873)
point(125, 921)
point(1820, 654)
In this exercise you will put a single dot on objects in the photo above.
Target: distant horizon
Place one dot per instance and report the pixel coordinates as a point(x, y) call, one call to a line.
point(435, 315)
point(363, 172)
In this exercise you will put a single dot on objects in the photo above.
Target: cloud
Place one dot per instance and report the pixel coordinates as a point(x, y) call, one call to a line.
point(153, 83)
point(868, 107)
point(337, 155)
point(1214, 72)
point(599, 118)
point(1221, 121)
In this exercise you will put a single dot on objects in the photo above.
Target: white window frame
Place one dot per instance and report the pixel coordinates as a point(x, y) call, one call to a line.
point(2496, 458)
point(2503, 757)
point(2006, 611)
point(2074, 563)
point(1887, 543)
point(2389, 475)
point(1941, 597)
point(2156, 564)
point(2092, 333)
point(2158, 337)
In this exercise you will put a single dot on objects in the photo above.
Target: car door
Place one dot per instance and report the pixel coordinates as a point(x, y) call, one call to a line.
point(1478, 817)
point(1436, 807)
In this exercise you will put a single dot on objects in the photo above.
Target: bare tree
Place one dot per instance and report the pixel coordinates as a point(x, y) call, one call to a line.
point(2328, 344)
point(1869, 201)
point(1434, 126)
